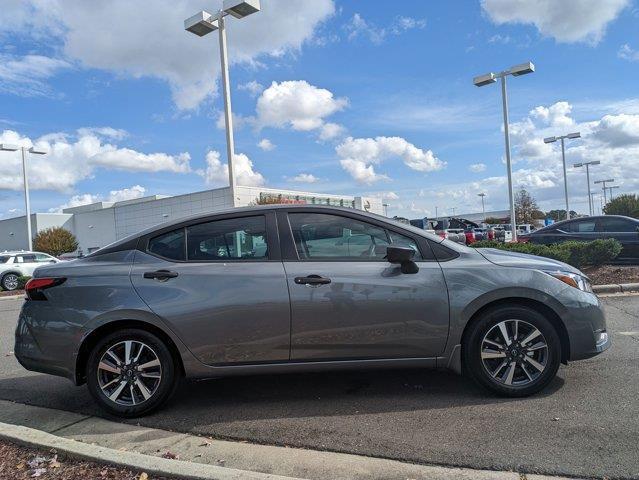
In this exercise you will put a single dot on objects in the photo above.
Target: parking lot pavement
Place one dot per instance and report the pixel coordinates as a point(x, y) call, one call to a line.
point(585, 424)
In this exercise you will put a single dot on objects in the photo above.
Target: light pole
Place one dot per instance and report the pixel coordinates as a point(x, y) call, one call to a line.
point(202, 23)
point(610, 180)
point(563, 159)
point(25, 181)
point(483, 209)
point(610, 190)
point(587, 164)
point(487, 79)
point(453, 210)
point(385, 205)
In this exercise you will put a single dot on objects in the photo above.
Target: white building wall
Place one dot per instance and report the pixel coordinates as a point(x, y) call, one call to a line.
point(94, 229)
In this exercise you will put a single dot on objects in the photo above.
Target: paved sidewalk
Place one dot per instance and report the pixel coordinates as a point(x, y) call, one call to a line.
point(199, 457)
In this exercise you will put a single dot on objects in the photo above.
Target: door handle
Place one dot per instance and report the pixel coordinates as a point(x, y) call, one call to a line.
point(161, 274)
point(312, 280)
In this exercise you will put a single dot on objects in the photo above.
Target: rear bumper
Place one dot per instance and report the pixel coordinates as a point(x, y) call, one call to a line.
point(32, 356)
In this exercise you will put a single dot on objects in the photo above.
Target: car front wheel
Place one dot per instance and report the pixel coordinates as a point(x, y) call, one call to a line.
point(10, 282)
point(513, 351)
point(131, 372)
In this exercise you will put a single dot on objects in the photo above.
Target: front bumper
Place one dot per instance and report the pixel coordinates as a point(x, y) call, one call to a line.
point(585, 322)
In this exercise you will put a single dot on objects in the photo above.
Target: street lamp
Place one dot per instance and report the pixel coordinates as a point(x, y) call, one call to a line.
point(610, 180)
point(563, 159)
point(483, 209)
point(25, 181)
point(587, 164)
point(610, 189)
point(487, 79)
point(203, 23)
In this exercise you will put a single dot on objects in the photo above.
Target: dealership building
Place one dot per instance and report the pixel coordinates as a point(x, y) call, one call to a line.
point(98, 224)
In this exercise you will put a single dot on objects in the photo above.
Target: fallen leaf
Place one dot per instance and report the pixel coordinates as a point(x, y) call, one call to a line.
point(143, 476)
point(21, 465)
point(39, 472)
point(9, 354)
point(205, 444)
point(555, 419)
point(53, 463)
point(170, 456)
point(104, 473)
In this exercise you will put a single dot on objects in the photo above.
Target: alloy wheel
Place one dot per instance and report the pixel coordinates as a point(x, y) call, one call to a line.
point(129, 373)
point(10, 281)
point(514, 353)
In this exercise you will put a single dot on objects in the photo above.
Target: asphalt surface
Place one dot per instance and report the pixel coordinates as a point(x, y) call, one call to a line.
point(585, 424)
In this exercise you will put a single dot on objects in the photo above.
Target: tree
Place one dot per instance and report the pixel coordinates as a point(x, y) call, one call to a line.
point(55, 241)
point(494, 220)
point(559, 215)
point(627, 205)
point(525, 206)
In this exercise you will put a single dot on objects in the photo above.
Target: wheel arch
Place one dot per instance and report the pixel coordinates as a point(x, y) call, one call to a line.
point(533, 304)
point(95, 335)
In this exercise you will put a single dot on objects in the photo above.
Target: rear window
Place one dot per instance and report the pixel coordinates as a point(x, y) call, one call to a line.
point(4, 258)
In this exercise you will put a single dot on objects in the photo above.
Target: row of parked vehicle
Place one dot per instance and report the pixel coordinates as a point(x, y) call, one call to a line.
point(466, 232)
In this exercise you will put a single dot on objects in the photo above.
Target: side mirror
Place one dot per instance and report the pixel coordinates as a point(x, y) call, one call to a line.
point(403, 256)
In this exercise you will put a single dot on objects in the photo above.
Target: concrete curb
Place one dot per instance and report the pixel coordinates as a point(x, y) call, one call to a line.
point(616, 288)
point(144, 463)
point(12, 297)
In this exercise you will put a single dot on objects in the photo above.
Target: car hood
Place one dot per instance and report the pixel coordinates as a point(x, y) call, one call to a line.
point(523, 260)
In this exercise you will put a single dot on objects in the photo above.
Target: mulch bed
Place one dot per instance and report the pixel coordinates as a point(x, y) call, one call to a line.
point(13, 293)
point(22, 463)
point(613, 274)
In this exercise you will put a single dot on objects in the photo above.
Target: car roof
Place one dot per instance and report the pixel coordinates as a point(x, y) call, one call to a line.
point(130, 239)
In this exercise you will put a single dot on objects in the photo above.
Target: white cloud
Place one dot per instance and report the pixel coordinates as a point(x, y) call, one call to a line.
point(330, 131)
point(266, 145)
point(477, 167)
point(136, 191)
point(497, 38)
point(107, 132)
point(565, 20)
point(217, 173)
point(618, 130)
point(72, 159)
point(358, 155)
point(26, 76)
point(131, 39)
point(296, 104)
point(305, 178)
point(628, 53)
point(253, 87)
point(383, 195)
point(358, 27)
point(557, 115)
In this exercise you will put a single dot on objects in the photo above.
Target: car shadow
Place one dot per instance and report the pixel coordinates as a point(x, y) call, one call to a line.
point(269, 397)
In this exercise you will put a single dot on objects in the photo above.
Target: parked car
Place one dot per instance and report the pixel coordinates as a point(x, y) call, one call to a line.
point(286, 288)
point(453, 234)
point(20, 263)
point(624, 229)
point(503, 233)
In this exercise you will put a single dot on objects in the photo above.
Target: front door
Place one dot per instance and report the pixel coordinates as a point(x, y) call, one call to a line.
point(625, 231)
point(220, 286)
point(348, 302)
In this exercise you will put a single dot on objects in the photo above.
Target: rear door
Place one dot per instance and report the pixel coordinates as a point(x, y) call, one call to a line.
point(347, 301)
point(27, 263)
point(220, 285)
point(624, 230)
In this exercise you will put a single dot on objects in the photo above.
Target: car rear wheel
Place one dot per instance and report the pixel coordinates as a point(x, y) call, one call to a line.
point(131, 372)
point(513, 351)
point(10, 281)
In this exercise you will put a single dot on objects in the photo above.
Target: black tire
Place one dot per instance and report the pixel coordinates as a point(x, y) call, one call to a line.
point(478, 369)
point(9, 281)
point(168, 376)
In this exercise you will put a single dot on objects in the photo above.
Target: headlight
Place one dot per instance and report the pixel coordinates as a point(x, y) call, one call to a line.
point(573, 279)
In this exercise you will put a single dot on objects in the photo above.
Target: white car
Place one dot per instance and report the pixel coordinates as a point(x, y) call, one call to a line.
point(16, 264)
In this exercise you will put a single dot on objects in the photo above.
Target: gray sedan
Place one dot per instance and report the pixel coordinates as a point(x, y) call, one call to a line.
point(299, 288)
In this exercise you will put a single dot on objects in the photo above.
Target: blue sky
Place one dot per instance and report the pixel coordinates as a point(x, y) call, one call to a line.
point(339, 97)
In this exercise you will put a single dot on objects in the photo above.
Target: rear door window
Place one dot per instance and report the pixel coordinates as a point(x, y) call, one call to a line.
point(618, 225)
point(169, 245)
point(583, 226)
point(242, 238)
point(4, 258)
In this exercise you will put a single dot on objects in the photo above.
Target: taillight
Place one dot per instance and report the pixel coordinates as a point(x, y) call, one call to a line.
point(36, 286)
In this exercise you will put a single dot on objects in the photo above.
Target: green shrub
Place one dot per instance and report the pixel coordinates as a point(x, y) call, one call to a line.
point(577, 254)
point(22, 281)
